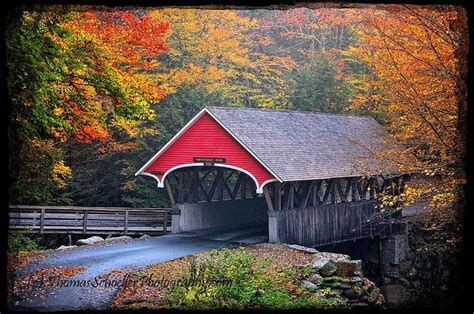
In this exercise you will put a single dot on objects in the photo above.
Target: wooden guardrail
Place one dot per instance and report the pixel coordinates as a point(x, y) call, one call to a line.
point(88, 220)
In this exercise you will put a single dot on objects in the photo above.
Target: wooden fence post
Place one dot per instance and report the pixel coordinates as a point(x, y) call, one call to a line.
point(42, 221)
point(84, 223)
point(125, 227)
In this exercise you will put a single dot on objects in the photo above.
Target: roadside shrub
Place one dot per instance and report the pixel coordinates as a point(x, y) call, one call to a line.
point(21, 243)
point(234, 279)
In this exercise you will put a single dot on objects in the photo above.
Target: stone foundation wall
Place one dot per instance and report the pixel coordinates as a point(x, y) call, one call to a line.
point(422, 278)
point(413, 276)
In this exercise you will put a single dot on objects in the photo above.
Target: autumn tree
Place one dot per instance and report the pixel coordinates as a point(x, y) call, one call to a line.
point(320, 88)
point(96, 88)
point(219, 50)
point(322, 78)
point(305, 33)
point(72, 75)
point(418, 57)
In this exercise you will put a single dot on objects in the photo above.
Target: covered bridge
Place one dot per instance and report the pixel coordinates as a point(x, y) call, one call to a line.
point(313, 178)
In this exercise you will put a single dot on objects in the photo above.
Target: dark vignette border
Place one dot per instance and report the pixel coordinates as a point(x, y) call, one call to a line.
point(463, 304)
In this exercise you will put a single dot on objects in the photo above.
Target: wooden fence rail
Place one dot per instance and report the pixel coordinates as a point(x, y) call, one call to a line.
point(88, 220)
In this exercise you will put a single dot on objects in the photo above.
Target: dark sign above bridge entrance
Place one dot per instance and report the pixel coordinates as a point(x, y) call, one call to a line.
point(208, 161)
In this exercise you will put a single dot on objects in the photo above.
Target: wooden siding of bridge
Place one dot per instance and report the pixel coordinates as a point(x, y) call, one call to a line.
point(334, 223)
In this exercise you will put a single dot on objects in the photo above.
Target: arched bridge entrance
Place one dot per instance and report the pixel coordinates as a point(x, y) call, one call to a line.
point(206, 197)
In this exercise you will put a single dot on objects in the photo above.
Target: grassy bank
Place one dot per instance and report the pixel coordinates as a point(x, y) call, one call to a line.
point(257, 277)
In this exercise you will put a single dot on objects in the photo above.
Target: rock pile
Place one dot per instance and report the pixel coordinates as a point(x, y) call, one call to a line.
point(343, 275)
point(96, 239)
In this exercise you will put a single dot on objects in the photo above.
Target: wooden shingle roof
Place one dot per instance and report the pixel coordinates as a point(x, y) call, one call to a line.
point(299, 145)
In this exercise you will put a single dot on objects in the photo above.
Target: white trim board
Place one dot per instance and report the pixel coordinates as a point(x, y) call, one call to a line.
point(197, 164)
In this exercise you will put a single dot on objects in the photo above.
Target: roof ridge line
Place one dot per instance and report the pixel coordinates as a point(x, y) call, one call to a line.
point(290, 111)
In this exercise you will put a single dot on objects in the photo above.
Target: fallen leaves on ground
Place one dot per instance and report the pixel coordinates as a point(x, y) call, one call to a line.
point(20, 260)
point(37, 284)
point(281, 254)
point(149, 295)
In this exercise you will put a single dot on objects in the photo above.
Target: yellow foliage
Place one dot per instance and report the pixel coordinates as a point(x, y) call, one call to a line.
point(60, 174)
point(417, 63)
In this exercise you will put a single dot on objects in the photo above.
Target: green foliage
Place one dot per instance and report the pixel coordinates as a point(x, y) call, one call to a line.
point(21, 243)
point(318, 88)
point(335, 278)
point(238, 280)
point(104, 175)
point(33, 61)
point(33, 168)
point(177, 109)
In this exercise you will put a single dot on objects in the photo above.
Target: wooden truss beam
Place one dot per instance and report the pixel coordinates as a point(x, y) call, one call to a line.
point(296, 195)
point(205, 184)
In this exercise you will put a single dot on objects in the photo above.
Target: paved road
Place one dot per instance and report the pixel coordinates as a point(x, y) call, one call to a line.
point(135, 254)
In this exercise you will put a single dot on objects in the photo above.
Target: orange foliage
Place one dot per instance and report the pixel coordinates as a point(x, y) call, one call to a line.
point(417, 58)
point(121, 50)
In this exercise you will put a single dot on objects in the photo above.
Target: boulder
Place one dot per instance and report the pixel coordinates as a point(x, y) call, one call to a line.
point(121, 238)
point(359, 274)
point(325, 267)
point(65, 247)
point(338, 285)
point(334, 256)
point(303, 248)
point(336, 278)
point(89, 241)
point(347, 268)
point(351, 294)
point(315, 278)
point(367, 282)
point(309, 285)
point(373, 295)
point(356, 279)
point(380, 300)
